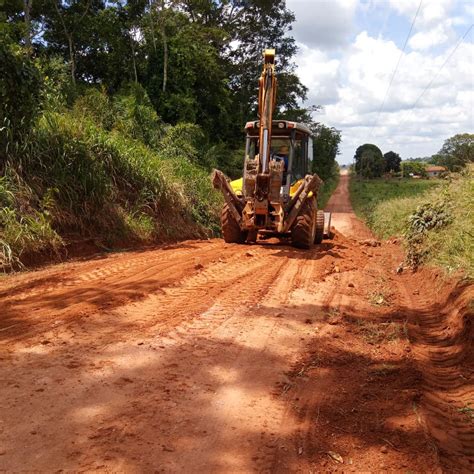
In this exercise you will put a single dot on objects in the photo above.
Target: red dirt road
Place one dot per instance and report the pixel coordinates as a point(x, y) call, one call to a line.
point(207, 357)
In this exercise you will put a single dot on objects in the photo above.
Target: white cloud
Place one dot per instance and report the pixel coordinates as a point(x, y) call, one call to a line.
point(351, 82)
point(445, 109)
point(319, 74)
point(323, 24)
point(431, 11)
point(434, 37)
point(433, 25)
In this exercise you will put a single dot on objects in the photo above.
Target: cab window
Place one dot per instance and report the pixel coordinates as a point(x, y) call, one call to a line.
point(299, 162)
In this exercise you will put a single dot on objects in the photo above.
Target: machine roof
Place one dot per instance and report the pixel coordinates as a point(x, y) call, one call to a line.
point(280, 125)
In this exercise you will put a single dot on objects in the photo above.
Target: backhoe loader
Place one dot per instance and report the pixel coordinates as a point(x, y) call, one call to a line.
point(277, 194)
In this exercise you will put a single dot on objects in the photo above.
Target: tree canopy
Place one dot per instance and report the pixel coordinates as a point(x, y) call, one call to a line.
point(369, 161)
point(456, 152)
point(326, 142)
point(392, 161)
point(198, 60)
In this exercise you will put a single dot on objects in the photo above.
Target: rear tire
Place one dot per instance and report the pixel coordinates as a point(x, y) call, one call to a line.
point(319, 227)
point(303, 232)
point(230, 228)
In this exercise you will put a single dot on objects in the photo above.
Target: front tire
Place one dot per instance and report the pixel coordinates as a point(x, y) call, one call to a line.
point(230, 228)
point(303, 232)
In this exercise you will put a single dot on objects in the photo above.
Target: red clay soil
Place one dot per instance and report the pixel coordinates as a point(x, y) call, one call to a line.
point(208, 357)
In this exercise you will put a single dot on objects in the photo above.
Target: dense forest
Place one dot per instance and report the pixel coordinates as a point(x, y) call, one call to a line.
point(113, 113)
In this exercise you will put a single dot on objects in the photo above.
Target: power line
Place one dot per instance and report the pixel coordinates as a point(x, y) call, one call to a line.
point(460, 40)
point(396, 68)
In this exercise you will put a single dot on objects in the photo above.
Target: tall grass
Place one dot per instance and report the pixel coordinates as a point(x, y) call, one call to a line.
point(452, 245)
point(23, 229)
point(75, 176)
point(377, 199)
point(436, 222)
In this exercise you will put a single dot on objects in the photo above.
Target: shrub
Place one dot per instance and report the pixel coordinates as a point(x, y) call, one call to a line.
point(135, 116)
point(75, 176)
point(428, 216)
point(23, 229)
point(417, 168)
point(436, 219)
point(20, 88)
point(182, 140)
point(57, 90)
point(96, 105)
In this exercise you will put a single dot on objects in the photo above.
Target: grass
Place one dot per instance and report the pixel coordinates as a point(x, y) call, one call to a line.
point(377, 333)
point(435, 218)
point(72, 176)
point(468, 412)
point(327, 189)
point(372, 200)
point(452, 246)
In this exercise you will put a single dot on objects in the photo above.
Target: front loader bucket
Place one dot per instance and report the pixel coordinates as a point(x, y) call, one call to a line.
point(219, 181)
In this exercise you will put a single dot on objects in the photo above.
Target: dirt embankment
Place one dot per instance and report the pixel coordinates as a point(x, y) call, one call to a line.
point(206, 357)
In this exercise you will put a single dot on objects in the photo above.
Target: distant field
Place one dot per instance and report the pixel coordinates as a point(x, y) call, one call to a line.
point(368, 195)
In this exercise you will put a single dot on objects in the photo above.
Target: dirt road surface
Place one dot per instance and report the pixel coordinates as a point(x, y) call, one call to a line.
point(208, 357)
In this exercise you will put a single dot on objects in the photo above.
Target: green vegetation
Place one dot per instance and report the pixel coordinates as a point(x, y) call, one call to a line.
point(105, 167)
point(369, 161)
point(368, 197)
point(182, 53)
point(84, 179)
point(330, 184)
point(435, 217)
point(456, 152)
point(326, 142)
point(113, 114)
point(392, 162)
point(416, 168)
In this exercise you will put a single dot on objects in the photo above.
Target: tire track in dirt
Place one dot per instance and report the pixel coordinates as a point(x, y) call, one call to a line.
point(351, 399)
point(61, 275)
point(80, 298)
point(222, 322)
point(102, 270)
point(442, 336)
point(209, 357)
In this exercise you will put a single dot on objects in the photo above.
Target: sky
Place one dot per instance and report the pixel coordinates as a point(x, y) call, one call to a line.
point(348, 51)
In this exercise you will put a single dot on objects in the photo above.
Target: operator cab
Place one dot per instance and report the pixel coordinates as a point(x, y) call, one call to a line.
point(291, 143)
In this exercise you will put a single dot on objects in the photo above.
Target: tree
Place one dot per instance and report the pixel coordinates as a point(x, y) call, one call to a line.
point(392, 161)
point(198, 60)
point(326, 142)
point(20, 91)
point(369, 161)
point(416, 168)
point(71, 16)
point(249, 27)
point(456, 152)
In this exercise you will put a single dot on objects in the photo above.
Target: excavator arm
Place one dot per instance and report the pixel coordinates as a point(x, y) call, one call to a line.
point(266, 107)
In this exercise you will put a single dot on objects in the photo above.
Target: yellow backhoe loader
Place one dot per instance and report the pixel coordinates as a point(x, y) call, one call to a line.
point(277, 195)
